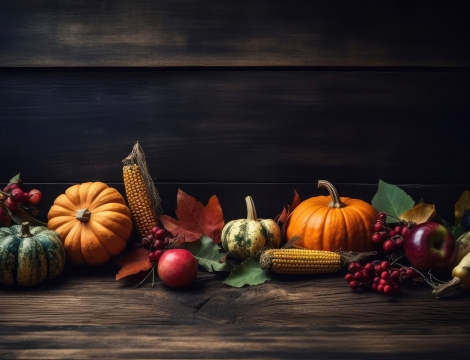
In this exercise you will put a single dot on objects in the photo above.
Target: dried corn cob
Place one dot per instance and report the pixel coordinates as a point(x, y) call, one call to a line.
point(300, 261)
point(139, 201)
point(304, 261)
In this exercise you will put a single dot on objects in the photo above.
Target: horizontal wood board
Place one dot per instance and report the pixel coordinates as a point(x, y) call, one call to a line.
point(62, 125)
point(82, 315)
point(242, 33)
point(269, 199)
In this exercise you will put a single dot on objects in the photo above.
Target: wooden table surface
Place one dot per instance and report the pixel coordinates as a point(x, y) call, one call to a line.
point(87, 314)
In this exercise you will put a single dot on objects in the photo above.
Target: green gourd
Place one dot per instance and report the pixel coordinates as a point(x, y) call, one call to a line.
point(30, 255)
point(244, 238)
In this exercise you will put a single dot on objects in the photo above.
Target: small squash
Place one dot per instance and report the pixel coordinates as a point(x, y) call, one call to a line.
point(28, 256)
point(93, 221)
point(244, 238)
point(333, 223)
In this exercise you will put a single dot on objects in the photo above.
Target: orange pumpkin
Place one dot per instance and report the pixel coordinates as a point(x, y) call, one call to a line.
point(93, 221)
point(333, 223)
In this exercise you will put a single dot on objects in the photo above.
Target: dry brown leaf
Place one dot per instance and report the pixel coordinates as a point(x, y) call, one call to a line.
point(461, 206)
point(133, 263)
point(420, 213)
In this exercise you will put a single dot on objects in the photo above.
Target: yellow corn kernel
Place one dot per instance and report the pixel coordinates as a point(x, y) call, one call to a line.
point(300, 261)
point(139, 202)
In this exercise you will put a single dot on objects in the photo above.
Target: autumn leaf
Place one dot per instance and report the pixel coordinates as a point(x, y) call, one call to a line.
point(285, 214)
point(419, 214)
point(133, 263)
point(194, 220)
point(461, 206)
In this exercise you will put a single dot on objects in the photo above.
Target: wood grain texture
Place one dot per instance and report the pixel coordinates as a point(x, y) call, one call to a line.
point(232, 342)
point(237, 126)
point(241, 33)
point(270, 199)
point(91, 315)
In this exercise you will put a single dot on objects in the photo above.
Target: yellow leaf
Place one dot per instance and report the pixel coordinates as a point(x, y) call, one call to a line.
point(419, 214)
point(461, 206)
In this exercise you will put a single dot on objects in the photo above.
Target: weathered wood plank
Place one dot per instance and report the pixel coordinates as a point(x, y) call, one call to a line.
point(222, 342)
point(237, 126)
point(211, 33)
point(269, 198)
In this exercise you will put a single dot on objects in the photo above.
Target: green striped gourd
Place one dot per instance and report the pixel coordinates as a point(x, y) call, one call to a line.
point(244, 238)
point(30, 255)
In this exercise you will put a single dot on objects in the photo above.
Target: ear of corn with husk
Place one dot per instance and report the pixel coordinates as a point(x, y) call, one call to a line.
point(142, 196)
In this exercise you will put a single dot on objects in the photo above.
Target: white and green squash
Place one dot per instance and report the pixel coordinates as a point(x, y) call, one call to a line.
point(245, 238)
point(30, 255)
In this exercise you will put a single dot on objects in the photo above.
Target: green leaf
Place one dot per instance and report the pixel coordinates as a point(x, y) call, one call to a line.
point(391, 200)
point(457, 231)
point(248, 273)
point(14, 179)
point(208, 254)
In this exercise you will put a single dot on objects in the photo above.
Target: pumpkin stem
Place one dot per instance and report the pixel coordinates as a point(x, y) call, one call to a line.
point(250, 209)
point(25, 230)
point(83, 215)
point(335, 200)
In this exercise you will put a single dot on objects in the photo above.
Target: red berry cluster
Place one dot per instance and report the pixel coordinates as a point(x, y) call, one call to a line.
point(156, 243)
point(378, 276)
point(12, 197)
point(390, 239)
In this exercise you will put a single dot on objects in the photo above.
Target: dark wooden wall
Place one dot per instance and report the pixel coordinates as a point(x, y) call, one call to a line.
point(238, 98)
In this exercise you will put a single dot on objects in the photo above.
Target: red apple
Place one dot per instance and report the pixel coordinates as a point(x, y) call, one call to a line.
point(177, 268)
point(430, 246)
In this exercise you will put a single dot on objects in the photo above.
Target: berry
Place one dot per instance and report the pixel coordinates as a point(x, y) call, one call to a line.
point(377, 238)
point(385, 275)
point(376, 280)
point(382, 216)
point(378, 226)
point(160, 234)
point(13, 186)
point(365, 276)
point(399, 242)
point(358, 275)
point(397, 229)
point(395, 275)
point(405, 231)
point(383, 282)
point(349, 278)
point(378, 269)
point(151, 236)
point(385, 265)
point(384, 235)
point(152, 257)
point(388, 289)
point(7, 189)
point(10, 204)
point(166, 242)
point(380, 288)
point(34, 196)
point(158, 254)
point(369, 268)
point(145, 241)
point(374, 286)
point(352, 268)
point(159, 244)
point(391, 233)
point(411, 273)
point(154, 229)
point(17, 195)
point(354, 284)
point(389, 246)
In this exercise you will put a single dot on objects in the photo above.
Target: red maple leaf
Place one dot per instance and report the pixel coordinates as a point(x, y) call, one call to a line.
point(133, 263)
point(284, 216)
point(195, 219)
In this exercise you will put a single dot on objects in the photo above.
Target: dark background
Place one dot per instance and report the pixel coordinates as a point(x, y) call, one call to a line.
point(235, 99)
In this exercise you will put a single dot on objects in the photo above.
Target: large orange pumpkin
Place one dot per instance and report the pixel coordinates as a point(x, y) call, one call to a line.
point(93, 221)
point(333, 223)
